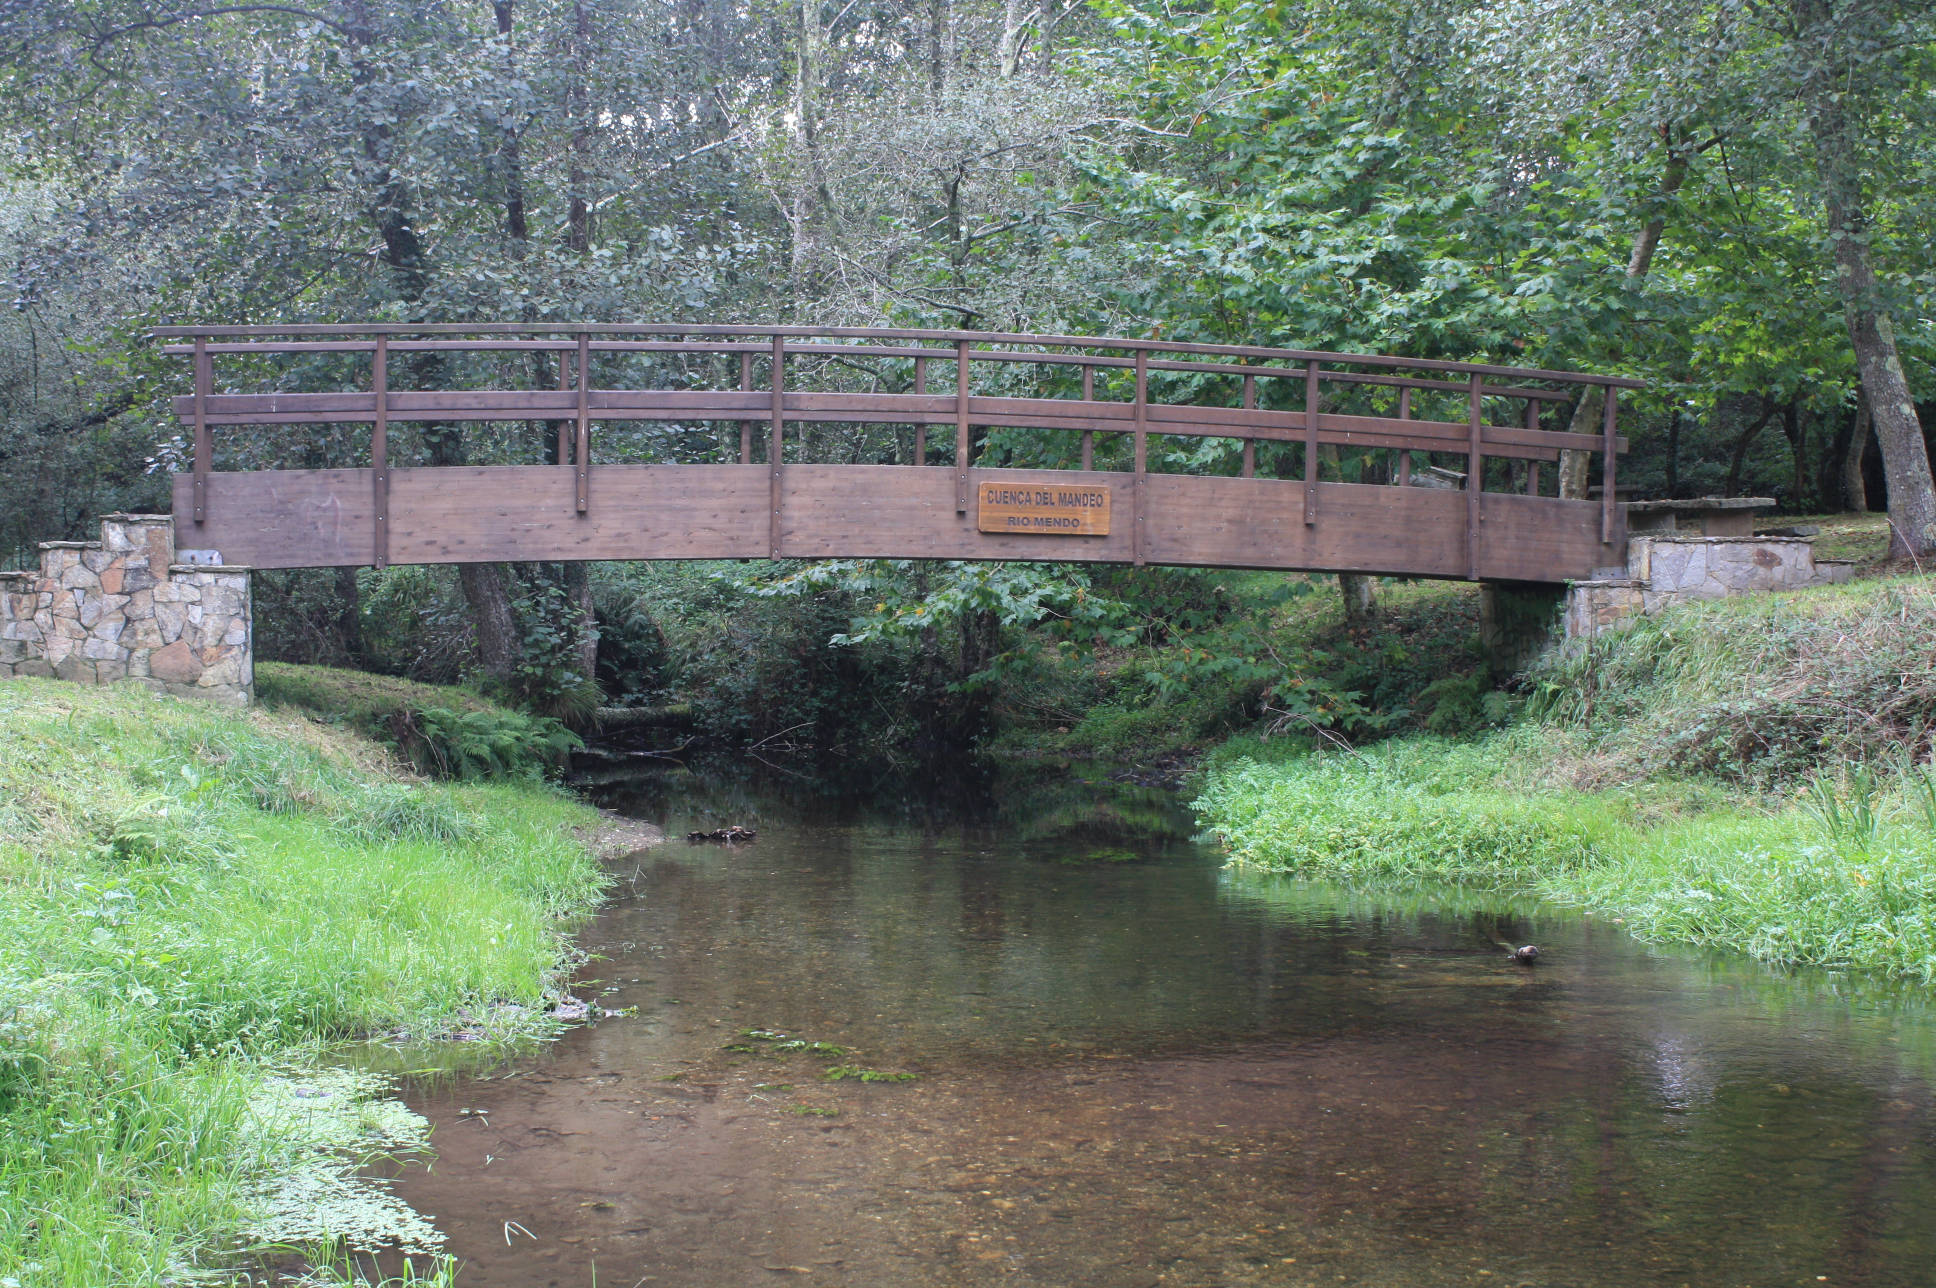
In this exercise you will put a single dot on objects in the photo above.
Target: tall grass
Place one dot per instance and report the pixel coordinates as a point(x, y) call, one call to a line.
point(1414, 809)
point(186, 893)
point(1761, 691)
point(1789, 882)
point(1750, 774)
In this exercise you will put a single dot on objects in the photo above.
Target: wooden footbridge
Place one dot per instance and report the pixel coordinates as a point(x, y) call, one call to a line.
point(717, 442)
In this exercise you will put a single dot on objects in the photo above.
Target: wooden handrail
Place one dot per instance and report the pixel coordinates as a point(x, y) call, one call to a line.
point(1087, 361)
point(1125, 343)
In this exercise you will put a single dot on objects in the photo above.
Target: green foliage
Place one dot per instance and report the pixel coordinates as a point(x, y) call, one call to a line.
point(1453, 706)
point(903, 599)
point(1774, 889)
point(547, 678)
point(1847, 810)
point(1620, 786)
point(634, 668)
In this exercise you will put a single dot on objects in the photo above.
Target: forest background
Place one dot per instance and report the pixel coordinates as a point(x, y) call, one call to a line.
point(1732, 200)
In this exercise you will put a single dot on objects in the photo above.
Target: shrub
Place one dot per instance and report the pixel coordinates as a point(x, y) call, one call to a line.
point(485, 744)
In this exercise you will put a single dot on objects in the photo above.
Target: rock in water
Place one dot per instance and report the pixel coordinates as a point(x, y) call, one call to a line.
point(730, 835)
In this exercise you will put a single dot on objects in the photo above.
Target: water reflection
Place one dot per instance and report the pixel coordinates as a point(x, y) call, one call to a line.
point(1136, 1067)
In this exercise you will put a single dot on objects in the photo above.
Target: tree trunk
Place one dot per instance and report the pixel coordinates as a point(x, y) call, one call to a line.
point(578, 210)
point(1872, 334)
point(811, 198)
point(1735, 463)
point(1015, 24)
point(1360, 596)
point(1588, 411)
point(584, 627)
point(1855, 489)
point(939, 32)
point(490, 605)
point(516, 225)
point(1046, 18)
point(1795, 430)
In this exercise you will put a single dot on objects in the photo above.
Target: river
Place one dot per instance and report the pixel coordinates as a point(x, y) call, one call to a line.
point(1131, 1066)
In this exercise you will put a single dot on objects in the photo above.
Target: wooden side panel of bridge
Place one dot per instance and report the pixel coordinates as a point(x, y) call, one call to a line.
point(764, 499)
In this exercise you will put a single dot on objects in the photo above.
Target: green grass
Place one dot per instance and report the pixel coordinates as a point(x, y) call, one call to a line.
point(1751, 774)
point(1406, 810)
point(188, 895)
point(444, 730)
point(1781, 883)
point(366, 703)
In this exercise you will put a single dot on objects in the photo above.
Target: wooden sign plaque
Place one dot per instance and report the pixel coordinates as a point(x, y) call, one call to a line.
point(1045, 509)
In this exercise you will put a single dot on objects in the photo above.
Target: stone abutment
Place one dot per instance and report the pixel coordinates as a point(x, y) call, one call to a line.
point(122, 608)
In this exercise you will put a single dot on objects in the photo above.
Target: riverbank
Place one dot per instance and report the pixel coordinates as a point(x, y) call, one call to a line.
point(195, 905)
point(1750, 774)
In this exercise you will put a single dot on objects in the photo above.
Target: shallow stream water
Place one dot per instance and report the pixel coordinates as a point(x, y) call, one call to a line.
point(1136, 1067)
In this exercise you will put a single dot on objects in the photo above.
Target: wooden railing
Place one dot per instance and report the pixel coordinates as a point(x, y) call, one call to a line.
point(1270, 395)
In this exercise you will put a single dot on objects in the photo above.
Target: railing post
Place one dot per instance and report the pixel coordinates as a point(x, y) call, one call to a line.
point(1405, 453)
point(1607, 467)
point(1250, 444)
point(1310, 443)
point(204, 449)
point(1532, 467)
point(582, 446)
point(380, 450)
point(745, 426)
point(1475, 464)
point(961, 427)
point(1088, 435)
point(564, 426)
point(776, 450)
point(920, 426)
point(1141, 494)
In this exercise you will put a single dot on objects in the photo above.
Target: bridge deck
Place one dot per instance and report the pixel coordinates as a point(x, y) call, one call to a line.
point(748, 507)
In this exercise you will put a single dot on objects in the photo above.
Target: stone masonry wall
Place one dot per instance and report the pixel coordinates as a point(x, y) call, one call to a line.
point(121, 608)
point(1664, 570)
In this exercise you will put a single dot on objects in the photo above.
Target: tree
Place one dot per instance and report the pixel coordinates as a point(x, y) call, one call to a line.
point(1838, 53)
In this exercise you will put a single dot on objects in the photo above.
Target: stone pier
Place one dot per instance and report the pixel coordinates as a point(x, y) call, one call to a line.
point(1663, 570)
point(122, 608)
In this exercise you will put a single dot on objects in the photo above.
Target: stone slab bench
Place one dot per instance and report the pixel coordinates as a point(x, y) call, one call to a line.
point(1707, 516)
